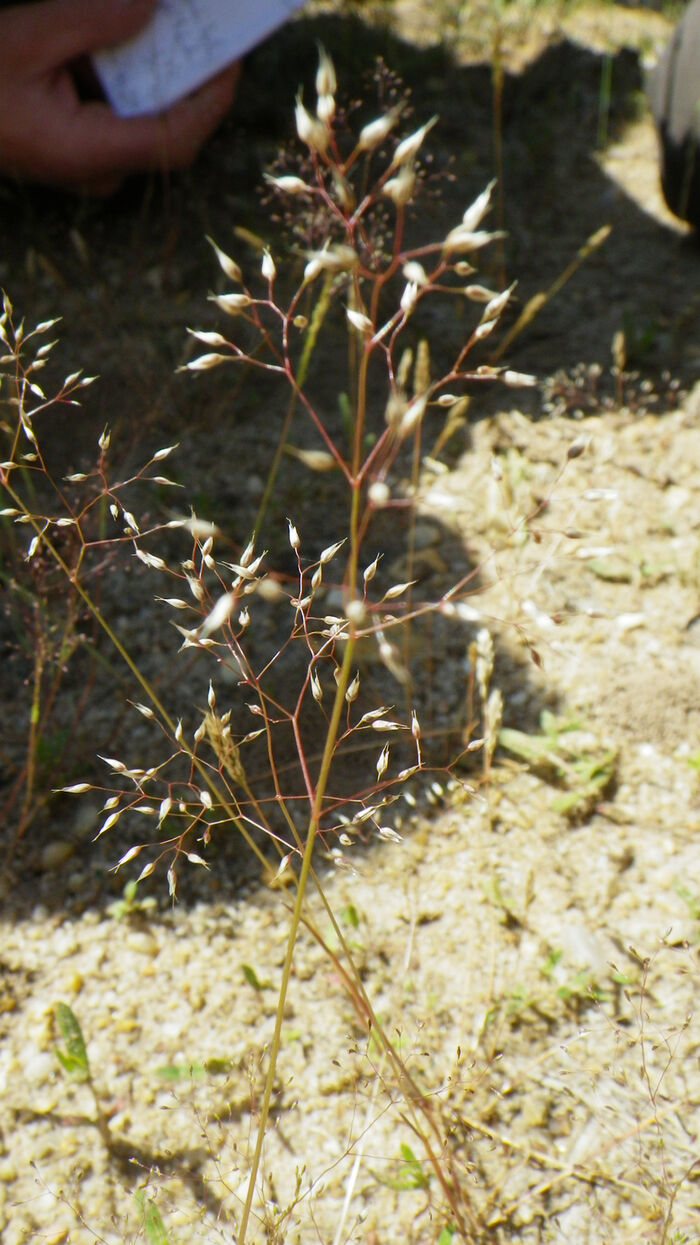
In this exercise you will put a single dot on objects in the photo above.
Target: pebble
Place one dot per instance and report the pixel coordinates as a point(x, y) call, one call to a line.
point(56, 854)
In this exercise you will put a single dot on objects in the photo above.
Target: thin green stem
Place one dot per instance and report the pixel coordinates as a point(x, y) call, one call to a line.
point(318, 316)
point(296, 918)
point(34, 733)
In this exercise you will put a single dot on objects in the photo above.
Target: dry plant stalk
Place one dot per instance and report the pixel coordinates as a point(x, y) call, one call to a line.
point(358, 189)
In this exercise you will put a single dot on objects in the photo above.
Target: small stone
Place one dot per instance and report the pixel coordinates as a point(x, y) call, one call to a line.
point(56, 854)
point(426, 534)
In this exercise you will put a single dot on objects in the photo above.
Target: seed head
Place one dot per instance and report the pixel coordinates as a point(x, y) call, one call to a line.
point(353, 689)
point(413, 415)
point(355, 612)
point(311, 131)
point(475, 213)
point(360, 322)
point(462, 239)
point(343, 192)
point(316, 689)
point(219, 614)
point(206, 361)
point(484, 329)
point(288, 184)
point(269, 270)
point(409, 147)
point(339, 258)
point(227, 265)
point(400, 188)
point(326, 81)
point(415, 272)
point(497, 304)
point(409, 298)
point(395, 407)
point(389, 834)
point(479, 293)
point(516, 379)
point(376, 131)
point(313, 269)
point(208, 339)
point(371, 570)
point(330, 552)
point(232, 304)
point(379, 493)
point(325, 108)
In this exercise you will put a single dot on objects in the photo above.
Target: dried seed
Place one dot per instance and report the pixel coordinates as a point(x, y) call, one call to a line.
point(408, 147)
point(376, 132)
point(371, 570)
point(360, 322)
point(353, 689)
point(289, 185)
point(389, 834)
point(326, 81)
point(268, 268)
point(475, 213)
point(228, 265)
point(311, 131)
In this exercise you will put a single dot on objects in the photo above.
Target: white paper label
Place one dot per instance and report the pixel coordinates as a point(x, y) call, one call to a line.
point(185, 43)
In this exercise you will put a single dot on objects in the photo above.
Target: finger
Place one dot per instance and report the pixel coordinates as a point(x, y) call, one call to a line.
point(51, 32)
point(188, 124)
point(103, 145)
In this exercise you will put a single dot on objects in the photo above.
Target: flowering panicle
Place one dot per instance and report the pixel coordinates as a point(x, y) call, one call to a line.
point(353, 194)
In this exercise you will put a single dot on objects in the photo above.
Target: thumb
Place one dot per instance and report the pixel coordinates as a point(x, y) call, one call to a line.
point(52, 32)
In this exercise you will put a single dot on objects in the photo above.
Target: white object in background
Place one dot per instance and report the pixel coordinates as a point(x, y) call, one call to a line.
point(185, 43)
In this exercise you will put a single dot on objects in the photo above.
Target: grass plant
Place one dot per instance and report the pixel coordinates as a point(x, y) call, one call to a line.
point(352, 193)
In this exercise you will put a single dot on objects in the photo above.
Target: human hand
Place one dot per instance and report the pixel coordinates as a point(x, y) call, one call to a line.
point(49, 134)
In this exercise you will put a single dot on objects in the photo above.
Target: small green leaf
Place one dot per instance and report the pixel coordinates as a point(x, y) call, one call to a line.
point(181, 1071)
point(446, 1235)
point(74, 1060)
point(621, 979)
point(130, 891)
point(151, 1219)
point(536, 750)
point(549, 965)
point(218, 1066)
point(252, 978)
point(613, 569)
point(410, 1174)
point(351, 916)
point(71, 1067)
point(412, 1170)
